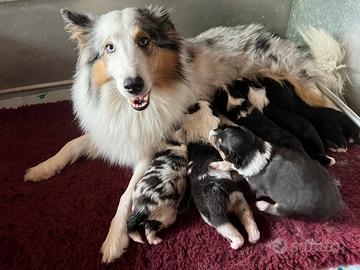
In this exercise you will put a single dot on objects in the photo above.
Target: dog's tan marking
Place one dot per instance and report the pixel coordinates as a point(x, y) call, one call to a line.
point(307, 93)
point(163, 64)
point(99, 73)
point(138, 33)
point(257, 97)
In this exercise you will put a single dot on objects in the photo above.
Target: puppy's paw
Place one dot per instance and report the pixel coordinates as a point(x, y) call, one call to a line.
point(262, 205)
point(136, 236)
point(42, 171)
point(152, 238)
point(331, 161)
point(221, 166)
point(338, 150)
point(236, 242)
point(114, 245)
point(155, 240)
point(254, 234)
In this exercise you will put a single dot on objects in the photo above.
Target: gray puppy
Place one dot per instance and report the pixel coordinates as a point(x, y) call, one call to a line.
point(297, 185)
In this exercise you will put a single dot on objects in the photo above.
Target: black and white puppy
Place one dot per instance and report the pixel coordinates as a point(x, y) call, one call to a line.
point(216, 194)
point(232, 102)
point(298, 185)
point(158, 194)
point(256, 94)
point(334, 127)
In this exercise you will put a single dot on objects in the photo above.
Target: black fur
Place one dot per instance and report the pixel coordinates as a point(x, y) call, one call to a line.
point(303, 130)
point(299, 186)
point(262, 44)
point(260, 124)
point(210, 194)
point(193, 108)
point(77, 18)
point(159, 27)
point(334, 127)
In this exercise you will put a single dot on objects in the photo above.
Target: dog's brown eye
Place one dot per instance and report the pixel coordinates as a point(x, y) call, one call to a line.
point(144, 42)
point(109, 48)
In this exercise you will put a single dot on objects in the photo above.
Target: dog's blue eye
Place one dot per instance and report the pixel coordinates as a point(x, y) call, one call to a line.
point(110, 48)
point(144, 42)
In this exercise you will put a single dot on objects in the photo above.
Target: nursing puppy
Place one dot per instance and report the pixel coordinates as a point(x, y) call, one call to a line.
point(297, 185)
point(231, 101)
point(159, 192)
point(255, 94)
point(215, 193)
point(335, 128)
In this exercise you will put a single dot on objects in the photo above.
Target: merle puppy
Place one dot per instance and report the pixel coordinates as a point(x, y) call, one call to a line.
point(231, 102)
point(216, 194)
point(335, 128)
point(158, 194)
point(297, 185)
point(256, 94)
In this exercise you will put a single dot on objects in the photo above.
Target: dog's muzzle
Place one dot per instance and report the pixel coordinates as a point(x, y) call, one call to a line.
point(141, 102)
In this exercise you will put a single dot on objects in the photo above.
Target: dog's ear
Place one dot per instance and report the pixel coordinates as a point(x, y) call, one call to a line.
point(162, 15)
point(77, 24)
point(156, 22)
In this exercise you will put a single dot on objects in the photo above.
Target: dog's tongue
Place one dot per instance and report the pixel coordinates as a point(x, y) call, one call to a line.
point(139, 103)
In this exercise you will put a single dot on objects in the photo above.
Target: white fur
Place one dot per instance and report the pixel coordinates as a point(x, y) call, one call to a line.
point(257, 163)
point(219, 174)
point(228, 231)
point(328, 53)
point(330, 71)
point(68, 154)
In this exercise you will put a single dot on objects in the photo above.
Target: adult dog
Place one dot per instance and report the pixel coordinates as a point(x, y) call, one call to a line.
point(136, 76)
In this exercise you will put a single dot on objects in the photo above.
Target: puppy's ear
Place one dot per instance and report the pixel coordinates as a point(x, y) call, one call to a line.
point(78, 25)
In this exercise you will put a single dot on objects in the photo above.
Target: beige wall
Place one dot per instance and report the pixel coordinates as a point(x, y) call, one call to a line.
point(35, 49)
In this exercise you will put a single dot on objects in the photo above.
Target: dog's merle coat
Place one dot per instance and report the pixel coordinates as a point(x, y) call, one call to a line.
point(158, 194)
point(335, 128)
point(298, 185)
point(216, 194)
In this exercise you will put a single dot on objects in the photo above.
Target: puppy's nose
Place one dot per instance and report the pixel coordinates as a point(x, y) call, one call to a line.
point(134, 85)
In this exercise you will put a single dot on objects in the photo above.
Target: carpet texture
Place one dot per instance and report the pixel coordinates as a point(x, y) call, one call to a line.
point(61, 223)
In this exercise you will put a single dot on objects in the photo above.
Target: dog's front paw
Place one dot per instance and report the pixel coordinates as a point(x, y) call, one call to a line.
point(42, 171)
point(114, 245)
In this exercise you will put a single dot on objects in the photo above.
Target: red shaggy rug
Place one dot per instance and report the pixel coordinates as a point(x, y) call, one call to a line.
point(61, 223)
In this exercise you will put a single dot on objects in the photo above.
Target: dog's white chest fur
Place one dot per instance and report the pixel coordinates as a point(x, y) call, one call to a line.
point(122, 135)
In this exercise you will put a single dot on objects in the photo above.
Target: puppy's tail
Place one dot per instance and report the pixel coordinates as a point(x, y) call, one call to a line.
point(330, 72)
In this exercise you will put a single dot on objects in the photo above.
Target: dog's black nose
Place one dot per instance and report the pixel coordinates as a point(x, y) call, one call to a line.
point(134, 85)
